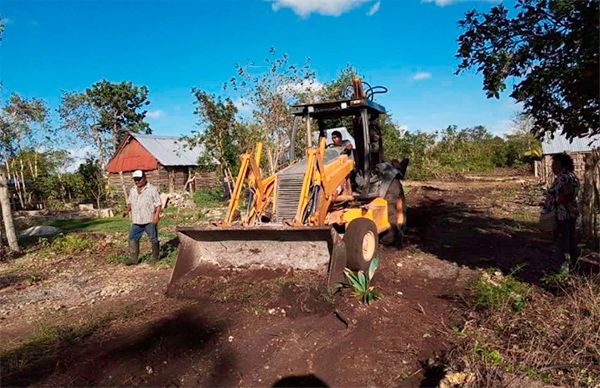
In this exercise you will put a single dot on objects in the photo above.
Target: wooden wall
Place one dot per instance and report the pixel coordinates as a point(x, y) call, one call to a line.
point(546, 175)
point(167, 179)
point(587, 169)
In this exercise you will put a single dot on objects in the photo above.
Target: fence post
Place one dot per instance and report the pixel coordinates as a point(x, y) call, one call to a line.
point(590, 198)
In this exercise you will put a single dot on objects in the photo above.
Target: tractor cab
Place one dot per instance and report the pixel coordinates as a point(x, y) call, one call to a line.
point(358, 116)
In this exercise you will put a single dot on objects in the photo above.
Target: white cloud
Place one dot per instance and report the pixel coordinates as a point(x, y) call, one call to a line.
point(79, 155)
point(244, 107)
point(440, 3)
point(501, 127)
point(156, 114)
point(304, 8)
point(421, 75)
point(374, 9)
point(443, 3)
point(305, 86)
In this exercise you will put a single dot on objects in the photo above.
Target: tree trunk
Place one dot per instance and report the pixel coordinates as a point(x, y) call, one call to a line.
point(1, 232)
point(9, 226)
point(17, 180)
point(101, 148)
point(30, 167)
point(23, 184)
point(35, 155)
point(123, 187)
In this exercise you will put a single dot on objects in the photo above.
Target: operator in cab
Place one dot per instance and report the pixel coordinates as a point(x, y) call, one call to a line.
point(343, 146)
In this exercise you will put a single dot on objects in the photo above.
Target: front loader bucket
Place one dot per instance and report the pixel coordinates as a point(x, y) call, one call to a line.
point(272, 246)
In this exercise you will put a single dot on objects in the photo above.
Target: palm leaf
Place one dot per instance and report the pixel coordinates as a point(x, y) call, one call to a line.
point(362, 279)
point(373, 266)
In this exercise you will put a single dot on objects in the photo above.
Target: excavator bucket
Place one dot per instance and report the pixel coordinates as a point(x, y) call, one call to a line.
point(272, 246)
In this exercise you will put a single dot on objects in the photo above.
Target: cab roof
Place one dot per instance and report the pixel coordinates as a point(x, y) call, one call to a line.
point(336, 109)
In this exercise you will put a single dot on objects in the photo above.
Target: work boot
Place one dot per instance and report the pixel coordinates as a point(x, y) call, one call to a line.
point(134, 252)
point(155, 251)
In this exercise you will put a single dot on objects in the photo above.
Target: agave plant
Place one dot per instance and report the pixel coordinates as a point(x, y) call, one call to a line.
point(361, 283)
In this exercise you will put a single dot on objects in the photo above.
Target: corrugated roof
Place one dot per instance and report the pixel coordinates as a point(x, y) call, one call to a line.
point(561, 144)
point(170, 150)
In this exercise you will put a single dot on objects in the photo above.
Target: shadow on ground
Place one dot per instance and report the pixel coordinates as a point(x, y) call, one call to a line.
point(309, 380)
point(168, 348)
point(466, 236)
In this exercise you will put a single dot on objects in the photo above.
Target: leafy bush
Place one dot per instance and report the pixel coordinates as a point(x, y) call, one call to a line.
point(453, 151)
point(71, 244)
point(361, 284)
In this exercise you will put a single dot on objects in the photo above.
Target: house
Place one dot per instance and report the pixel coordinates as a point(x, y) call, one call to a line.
point(579, 149)
point(168, 164)
point(586, 159)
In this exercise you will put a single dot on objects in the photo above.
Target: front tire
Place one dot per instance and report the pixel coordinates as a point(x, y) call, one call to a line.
point(362, 243)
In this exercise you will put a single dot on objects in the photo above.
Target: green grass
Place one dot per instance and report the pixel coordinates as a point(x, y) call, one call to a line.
point(112, 224)
point(487, 354)
point(118, 258)
point(208, 198)
point(107, 225)
point(492, 291)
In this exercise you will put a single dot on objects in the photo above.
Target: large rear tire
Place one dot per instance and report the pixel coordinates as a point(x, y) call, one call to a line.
point(396, 214)
point(362, 243)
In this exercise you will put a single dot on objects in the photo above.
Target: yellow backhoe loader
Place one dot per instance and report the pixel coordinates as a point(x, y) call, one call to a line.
point(325, 211)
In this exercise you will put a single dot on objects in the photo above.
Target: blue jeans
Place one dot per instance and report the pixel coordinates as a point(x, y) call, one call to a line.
point(137, 230)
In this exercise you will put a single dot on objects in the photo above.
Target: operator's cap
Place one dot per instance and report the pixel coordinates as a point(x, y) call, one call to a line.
point(137, 174)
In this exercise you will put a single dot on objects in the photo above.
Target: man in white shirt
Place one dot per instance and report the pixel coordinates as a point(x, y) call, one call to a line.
point(144, 206)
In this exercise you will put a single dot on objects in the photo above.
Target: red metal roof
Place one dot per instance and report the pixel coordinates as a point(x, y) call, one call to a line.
point(132, 156)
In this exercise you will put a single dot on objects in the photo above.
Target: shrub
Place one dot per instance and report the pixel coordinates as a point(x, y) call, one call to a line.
point(361, 284)
point(555, 340)
point(71, 244)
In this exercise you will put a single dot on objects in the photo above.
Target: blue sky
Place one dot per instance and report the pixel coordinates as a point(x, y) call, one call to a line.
point(171, 46)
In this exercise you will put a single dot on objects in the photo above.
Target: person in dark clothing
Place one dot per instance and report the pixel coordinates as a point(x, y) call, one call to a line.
point(376, 141)
point(562, 199)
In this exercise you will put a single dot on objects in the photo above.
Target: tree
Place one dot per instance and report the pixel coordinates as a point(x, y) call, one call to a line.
point(341, 87)
point(94, 183)
point(81, 118)
point(119, 105)
point(105, 112)
point(19, 121)
point(221, 134)
point(551, 48)
point(6, 213)
point(270, 93)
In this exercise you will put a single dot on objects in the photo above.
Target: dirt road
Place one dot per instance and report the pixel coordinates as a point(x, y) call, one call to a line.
point(84, 321)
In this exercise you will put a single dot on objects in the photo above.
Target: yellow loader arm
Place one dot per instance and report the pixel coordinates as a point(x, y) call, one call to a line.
point(261, 190)
point(320, 185)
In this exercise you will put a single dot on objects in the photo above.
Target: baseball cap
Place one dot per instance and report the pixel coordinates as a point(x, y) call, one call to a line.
point(137, 174)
